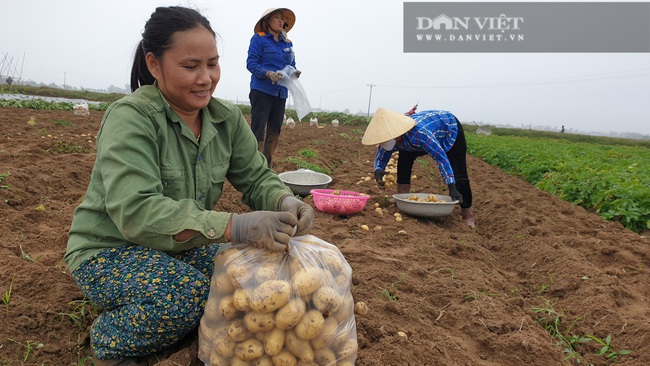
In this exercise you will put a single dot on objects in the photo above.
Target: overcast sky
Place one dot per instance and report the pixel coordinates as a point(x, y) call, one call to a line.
point(341, 47)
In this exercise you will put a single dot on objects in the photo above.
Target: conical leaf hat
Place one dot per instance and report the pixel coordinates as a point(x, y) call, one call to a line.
point(386, 125)
point(287, 14)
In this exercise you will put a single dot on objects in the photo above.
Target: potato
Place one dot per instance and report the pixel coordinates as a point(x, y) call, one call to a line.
point(239, 274)
point(259, 322)
point(342, 282)
point(307, 280)
point(348, 348)
point(273, 341)
point(267, 271)
point(206, 332)
point(360, 308)
point(332, 260)
point(284, 358)
point(299, 347)
point(295, 264)
point(249, 350)
point(262, 361)
point(326, 336)
point(325, 356)
point(326, 300)
point(240, 300)
point(342, 336)
point(226, 308)
point(224, 256)
point(224, 345)
point(205, 346)
point(270, 296)
point(237, 362)
point(238, 331)
point(222, 285)
point(211, 313)
point(218, 360)
point(290, 314)
point(310, 325)
point(302, 363)
point(346, 310)
point(346, 362)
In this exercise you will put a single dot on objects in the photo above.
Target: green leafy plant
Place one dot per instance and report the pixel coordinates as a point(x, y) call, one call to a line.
point(6, 298)
point(30, 346)
point(472, 296)
point(390, 293)
point(308, 153)
point(81, 311)
point(4, 176)
point(63, 123)
point(346, 136)
point(24, 254)
point(64, 147)
point(551, 320)
point(451, 272)
point(607, 176)
point(606, 349)
point(307, 165)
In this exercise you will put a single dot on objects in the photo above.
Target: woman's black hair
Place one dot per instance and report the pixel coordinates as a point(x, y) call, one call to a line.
point(157, 38)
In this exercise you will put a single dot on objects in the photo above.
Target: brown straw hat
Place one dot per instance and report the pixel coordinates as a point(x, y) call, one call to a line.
point(287, 14)
point(386, 125)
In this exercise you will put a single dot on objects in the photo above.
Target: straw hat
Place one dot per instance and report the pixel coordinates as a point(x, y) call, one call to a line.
point(386, 125)
point(287, 14)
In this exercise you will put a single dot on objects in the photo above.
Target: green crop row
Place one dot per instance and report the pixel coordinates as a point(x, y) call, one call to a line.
point(613, 181)
point(45, 105)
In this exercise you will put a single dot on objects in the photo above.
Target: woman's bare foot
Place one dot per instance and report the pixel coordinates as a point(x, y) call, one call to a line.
point(468, 216)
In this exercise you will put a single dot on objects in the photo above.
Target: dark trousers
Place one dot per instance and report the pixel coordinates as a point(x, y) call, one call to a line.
point(457, 156)
point(267, 114)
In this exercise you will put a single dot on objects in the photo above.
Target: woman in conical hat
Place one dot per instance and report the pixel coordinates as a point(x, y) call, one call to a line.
point(433, 132)
point(270, 50)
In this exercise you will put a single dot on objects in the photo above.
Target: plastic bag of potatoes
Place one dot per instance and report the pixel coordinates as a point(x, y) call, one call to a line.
point(280, 309)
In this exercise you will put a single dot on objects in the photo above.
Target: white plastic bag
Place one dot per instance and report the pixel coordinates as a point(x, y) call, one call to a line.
point(81, 109)
point(291, 82)
point(276, 308)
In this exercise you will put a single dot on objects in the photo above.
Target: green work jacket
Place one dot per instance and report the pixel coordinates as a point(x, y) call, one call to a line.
point(152, 179)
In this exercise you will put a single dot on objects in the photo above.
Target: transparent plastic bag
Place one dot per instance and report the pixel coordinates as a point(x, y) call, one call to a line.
point(291, 82)
point(278, 308)
point(81, 109)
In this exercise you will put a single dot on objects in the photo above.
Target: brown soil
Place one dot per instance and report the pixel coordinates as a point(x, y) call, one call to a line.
point(460, 296)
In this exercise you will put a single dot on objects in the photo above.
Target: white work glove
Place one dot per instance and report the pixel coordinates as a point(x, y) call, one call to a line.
point(263, 229)
point(274, 76)
point(302, 211)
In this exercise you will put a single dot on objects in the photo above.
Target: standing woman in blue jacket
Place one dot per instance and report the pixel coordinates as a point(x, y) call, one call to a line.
point(270, 50)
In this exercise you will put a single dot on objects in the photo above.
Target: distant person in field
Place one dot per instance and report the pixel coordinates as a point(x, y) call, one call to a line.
point(270, 50)
point(143, 241)
point(9, 80)
point(562, 130)
point(433, 132)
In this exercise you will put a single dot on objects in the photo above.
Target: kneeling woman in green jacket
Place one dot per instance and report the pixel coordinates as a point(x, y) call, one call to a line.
point(142, 241)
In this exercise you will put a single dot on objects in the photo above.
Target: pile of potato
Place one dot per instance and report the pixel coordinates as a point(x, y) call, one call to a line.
point(429, 198)
point(275, 309)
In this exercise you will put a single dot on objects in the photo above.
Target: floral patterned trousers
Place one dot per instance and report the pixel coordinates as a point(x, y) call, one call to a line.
point(150, 299)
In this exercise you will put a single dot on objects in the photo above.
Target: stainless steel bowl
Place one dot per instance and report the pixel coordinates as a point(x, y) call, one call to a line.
point(444, 207)
point(302, 181)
